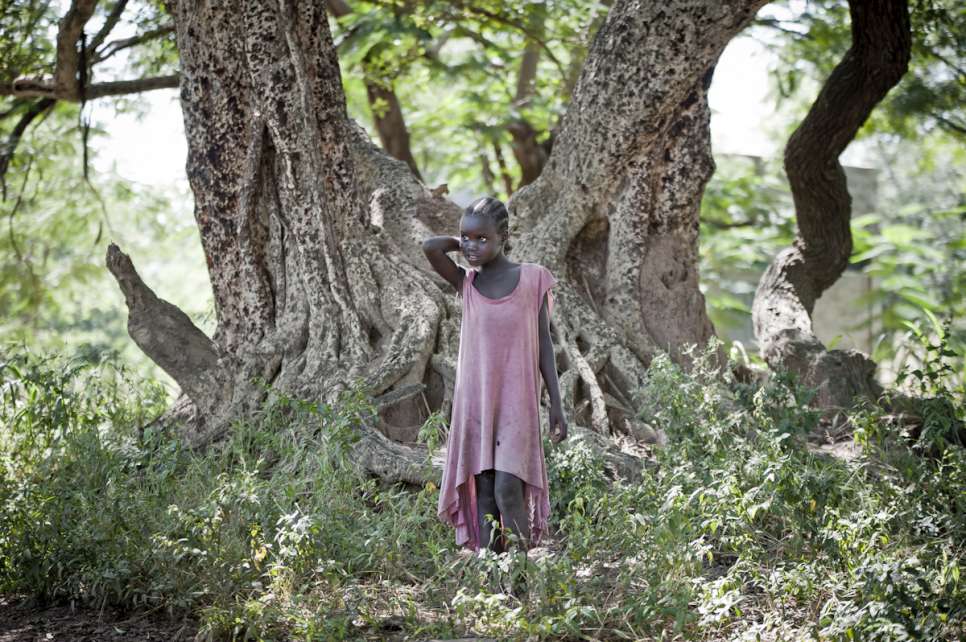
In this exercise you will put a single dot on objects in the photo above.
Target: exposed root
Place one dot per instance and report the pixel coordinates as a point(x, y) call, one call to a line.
point(395, 462)
point(170, 339)
point(598, 409)
point(617, 462)
point(415, 309)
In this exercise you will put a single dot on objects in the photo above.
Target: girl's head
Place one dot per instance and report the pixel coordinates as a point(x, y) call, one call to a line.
point(484, 231)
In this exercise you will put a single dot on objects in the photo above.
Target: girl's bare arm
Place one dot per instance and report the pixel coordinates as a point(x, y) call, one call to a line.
point(548, 368)
point(435, 248)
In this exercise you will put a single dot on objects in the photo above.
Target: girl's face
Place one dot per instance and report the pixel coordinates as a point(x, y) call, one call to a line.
point(480, 240)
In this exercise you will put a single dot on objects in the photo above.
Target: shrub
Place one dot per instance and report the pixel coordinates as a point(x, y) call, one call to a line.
point(739, 531)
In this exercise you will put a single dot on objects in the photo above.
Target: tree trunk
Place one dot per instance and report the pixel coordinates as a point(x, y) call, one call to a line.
point(390, 123)
point(312, 234)
point(786, 295)
point(530, 154)
point(387, 114)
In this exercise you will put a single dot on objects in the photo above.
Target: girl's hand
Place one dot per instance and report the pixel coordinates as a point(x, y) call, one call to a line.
point(558, 424)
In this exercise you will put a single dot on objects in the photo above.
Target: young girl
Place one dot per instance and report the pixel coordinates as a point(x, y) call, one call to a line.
point(494, 461)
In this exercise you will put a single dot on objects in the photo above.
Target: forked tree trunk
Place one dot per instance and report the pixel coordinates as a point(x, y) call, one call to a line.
point(312, 234)
point(786, 296)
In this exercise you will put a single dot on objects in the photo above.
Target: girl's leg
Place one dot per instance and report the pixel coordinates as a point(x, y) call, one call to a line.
point(486, 505)
point(508, 489)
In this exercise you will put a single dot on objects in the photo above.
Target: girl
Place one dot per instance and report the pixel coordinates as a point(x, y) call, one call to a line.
point(494, 461)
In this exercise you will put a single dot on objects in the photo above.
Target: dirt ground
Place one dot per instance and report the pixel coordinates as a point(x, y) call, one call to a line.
point(22, 622)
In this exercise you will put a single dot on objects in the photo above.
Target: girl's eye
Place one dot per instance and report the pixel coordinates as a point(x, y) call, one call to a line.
point(482, 239)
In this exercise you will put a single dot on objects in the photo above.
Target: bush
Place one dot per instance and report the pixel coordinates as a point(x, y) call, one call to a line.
point(740, 531)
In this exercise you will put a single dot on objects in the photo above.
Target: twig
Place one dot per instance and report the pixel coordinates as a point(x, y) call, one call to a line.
point(115, 46)
point(109, 23)
point(13, 140)
point(13, 212)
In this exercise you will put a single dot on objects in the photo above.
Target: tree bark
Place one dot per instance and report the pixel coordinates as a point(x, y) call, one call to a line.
point(69, 31)
point(616, 207)
point(786, 295)
point(312, 234)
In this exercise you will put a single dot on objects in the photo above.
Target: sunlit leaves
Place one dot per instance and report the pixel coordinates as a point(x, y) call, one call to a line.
point(746, 218)
point(455, 68)
point(933, 91)
point(26, 42)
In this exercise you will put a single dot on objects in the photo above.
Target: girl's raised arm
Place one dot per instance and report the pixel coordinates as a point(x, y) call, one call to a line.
point(435, 249)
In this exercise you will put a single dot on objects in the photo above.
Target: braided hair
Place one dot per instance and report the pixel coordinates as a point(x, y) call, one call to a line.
point(495, 210)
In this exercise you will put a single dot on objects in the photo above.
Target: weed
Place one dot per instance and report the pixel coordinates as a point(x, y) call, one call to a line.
point(739, 531)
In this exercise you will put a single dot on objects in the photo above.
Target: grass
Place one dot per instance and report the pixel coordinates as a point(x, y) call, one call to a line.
point(740, 531)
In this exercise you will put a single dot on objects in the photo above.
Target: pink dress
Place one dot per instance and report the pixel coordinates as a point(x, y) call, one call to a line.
point(496, 419)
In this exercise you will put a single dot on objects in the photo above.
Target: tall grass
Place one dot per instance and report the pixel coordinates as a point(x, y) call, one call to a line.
point(740, 531)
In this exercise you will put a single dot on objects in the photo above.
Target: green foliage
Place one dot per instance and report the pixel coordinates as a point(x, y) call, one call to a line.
point(911, 245)
point(433, 431)
point(25, 46)
point(455, 66)
point(55, 293)
point(909, 240)
point(28, 29)
point(812, 41)
point(747, 217)
point(740, 531)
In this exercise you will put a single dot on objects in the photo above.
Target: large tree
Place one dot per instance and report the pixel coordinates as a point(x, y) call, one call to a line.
point(877, 59)
point(311, 232)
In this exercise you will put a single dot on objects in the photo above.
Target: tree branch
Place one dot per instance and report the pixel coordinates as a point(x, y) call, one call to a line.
point(15, 106)
point(122, 87)
point(109, 23)
point(781, 313)
point(6, 154)
point(779, 25)
point(949, 124)
point(168, 336)
point(70, 28)
point(115, 46)
point(43, 88)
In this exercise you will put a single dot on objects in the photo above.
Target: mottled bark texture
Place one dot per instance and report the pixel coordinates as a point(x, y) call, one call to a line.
point(312, 234)
point(615, 210)
point(788, 290)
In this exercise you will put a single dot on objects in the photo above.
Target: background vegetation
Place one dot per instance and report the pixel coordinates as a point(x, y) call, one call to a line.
point(740, 529)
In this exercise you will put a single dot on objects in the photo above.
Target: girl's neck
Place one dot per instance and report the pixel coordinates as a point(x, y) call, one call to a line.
point(498, 264)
